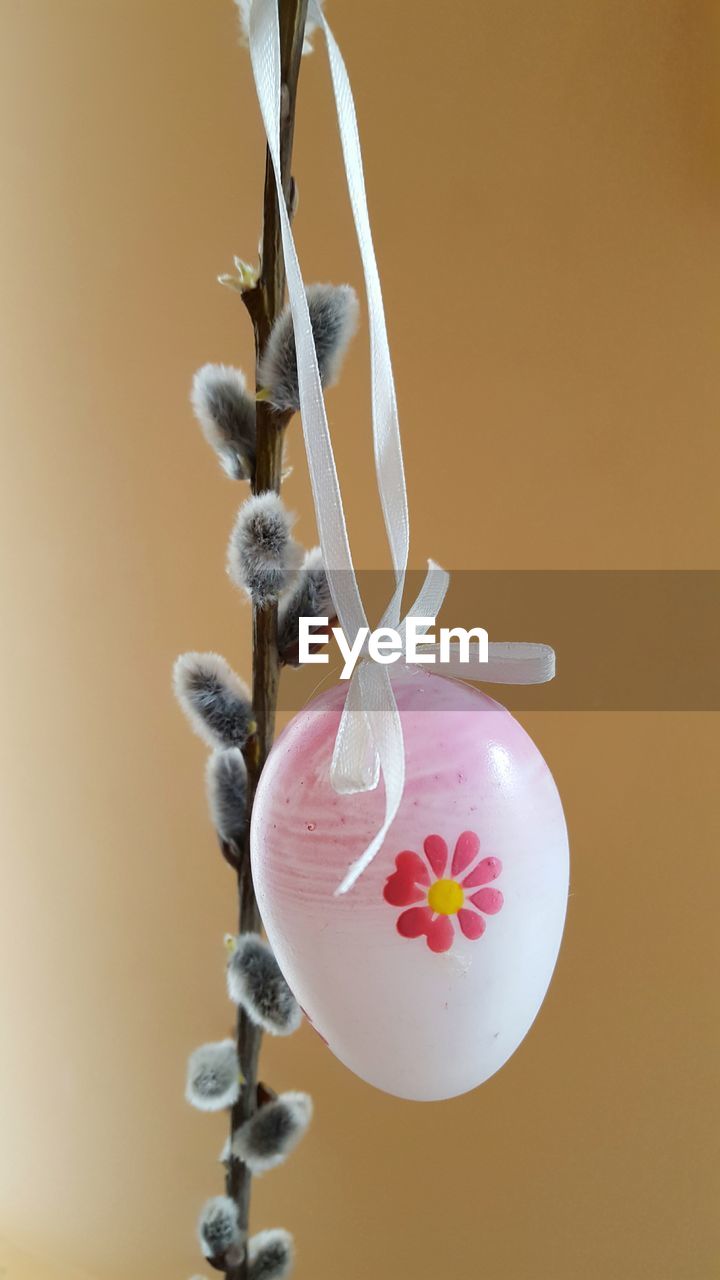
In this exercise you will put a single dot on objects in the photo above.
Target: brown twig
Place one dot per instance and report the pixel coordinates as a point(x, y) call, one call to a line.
point(264, 303)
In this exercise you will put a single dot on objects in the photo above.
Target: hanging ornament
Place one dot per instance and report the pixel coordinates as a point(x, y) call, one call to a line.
point(425, 977)
point(409, 849)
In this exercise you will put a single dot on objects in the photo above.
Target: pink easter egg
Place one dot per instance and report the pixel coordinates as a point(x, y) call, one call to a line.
point(424, 977)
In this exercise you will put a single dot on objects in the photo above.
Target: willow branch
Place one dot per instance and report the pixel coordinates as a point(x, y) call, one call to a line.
point(264, 303)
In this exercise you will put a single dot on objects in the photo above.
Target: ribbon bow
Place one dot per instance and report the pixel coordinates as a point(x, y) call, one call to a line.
point(370, 739)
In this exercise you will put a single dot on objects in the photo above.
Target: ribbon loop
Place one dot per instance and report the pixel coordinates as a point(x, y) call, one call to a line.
point(355, 764)
point(370, 737)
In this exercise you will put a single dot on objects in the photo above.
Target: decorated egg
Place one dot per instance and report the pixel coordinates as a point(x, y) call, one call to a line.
point(424, 978)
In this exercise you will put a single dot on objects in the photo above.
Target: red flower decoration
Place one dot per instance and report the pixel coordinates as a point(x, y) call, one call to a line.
point(443, 896)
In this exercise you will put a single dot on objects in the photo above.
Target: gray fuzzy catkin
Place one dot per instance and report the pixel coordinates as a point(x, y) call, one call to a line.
point(270, 1255)
point(333, 319)
point(254, 981)
point(263, 558)
point(268, 1137)
point(309, 598)
point(226, 784)
point(218, 1231)
point(213, 1076)
point(215, 700)
point(226, 414)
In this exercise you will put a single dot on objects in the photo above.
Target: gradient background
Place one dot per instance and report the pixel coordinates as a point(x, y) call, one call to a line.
point(544, 183)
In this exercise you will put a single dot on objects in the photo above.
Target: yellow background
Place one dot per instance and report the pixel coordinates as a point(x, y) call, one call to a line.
point(544, 184)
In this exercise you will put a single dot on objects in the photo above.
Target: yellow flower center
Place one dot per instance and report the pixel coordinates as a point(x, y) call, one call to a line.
point(445, 897)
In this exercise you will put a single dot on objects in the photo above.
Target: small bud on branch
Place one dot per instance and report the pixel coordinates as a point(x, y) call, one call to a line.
point(309, 598)
point(270, 1255)
point(215, 700)
point(254, 981)
point(263, 558)
point(214, 1077)
point(268, 1137)
point(226, 414)
point(226, 783)
point(218, 1231)
point(333, 318)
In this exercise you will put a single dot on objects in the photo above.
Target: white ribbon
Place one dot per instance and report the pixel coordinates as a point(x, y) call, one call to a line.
point(370, 738)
